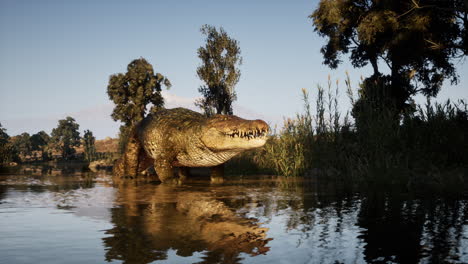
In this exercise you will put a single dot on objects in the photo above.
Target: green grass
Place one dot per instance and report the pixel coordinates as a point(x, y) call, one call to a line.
point(423, 148)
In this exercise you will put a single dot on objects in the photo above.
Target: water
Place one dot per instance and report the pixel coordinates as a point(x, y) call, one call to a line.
point(65, 215)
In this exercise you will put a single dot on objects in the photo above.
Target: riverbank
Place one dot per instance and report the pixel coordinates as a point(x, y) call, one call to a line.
point(423, 150)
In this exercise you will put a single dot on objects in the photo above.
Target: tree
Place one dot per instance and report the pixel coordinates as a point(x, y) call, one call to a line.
point(39, 142)
point(219, 71)
point(7, 152)
point(89, 146)
point(3, 135)
point(66, 136)
point(133, 91)
point(417, 39)
point(124, 133)
point(22, 144)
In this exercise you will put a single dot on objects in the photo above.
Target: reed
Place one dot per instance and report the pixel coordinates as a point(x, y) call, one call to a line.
point(375, 147)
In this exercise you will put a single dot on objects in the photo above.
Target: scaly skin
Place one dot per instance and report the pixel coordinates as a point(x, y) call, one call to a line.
point(183, 138)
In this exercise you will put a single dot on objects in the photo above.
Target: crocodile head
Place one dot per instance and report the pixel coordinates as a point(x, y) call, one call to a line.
point(228, 132)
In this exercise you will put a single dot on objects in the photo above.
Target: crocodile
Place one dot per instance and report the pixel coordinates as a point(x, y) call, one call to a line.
point(181, 138)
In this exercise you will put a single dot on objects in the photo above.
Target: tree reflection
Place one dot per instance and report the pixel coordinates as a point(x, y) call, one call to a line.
point(312, 222)
point(372, 227)
point(393, 228)
point(444, 231)
point(406, 230)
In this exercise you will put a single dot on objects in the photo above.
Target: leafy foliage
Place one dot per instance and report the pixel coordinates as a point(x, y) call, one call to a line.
point(418, 40)
point(22, 144)
point(89, 146)
point(3, 135)
point(424, 151)
point(7, 151)
point(124, 133)
point(133, 91)
point(219, 71)
point(66, 136)
point(39, 142)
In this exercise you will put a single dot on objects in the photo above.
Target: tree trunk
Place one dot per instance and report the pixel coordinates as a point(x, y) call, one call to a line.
point(375, 66)
point(398, 88)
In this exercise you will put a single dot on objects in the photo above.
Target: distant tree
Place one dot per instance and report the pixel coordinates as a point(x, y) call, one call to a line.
point(124, 132)
point(133, 91)
point(89, 146)
point(7, 152)
point(219, 71)
point(3, 136)
point(418, 41)
point(66, 136)
point(22, 144)
point(39, 142)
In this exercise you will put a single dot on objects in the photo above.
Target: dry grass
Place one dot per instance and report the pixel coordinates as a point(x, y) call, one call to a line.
point(107, 145)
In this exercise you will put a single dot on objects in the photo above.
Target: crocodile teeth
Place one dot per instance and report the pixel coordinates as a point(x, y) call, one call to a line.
point(248, 134)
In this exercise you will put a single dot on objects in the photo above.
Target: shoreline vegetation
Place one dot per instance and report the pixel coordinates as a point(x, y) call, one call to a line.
point(423, 151)
point(385, 141)
point(101, 153)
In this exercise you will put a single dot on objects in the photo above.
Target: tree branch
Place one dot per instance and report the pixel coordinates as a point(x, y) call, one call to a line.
point(386, 61)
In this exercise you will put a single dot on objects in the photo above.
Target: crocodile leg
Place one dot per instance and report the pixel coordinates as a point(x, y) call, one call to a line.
point(183, 172)
point(144, 162)
point(165, 171)
point(217, 174)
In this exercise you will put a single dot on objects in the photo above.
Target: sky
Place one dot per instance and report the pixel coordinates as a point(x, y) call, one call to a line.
point(57, 56)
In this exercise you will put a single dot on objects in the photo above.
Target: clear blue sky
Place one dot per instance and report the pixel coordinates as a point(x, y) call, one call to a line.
point(56, 56)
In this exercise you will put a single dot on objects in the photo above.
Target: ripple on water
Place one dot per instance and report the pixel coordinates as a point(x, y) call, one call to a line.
point(84, 218)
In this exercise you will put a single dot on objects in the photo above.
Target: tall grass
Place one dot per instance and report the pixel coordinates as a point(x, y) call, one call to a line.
point(420, 147)
point(287, 151)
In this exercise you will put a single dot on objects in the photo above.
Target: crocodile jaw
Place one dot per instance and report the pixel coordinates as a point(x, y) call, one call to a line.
point(234, 133)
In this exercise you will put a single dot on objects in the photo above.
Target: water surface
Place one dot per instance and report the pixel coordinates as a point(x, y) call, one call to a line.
point(67, 215)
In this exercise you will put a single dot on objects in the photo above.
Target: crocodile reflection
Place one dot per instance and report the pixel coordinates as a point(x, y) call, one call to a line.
point(154, 219)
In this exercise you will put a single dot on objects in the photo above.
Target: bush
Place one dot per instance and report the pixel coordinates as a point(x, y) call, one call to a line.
point(382, 147)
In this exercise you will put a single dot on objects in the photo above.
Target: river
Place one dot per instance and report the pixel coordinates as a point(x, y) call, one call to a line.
point(65, 214)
